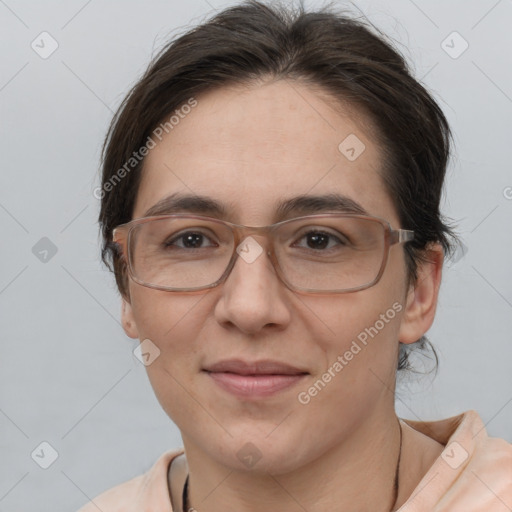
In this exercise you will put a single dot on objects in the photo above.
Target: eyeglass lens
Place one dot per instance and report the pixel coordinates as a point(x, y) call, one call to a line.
point(328, 253)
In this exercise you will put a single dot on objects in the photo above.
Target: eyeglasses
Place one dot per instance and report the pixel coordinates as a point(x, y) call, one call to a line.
point(326, 253)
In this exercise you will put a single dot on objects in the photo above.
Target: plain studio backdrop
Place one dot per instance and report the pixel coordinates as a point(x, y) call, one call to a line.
point(69, 378)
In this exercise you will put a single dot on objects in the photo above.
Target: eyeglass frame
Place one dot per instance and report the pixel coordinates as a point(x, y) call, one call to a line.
point(121, 238)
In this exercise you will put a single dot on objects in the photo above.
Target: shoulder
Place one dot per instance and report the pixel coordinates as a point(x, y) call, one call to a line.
point(149, 489)
point(473, 473)
point(116, 498)
point(466, 439)
point(491, 462)
point(482, 465)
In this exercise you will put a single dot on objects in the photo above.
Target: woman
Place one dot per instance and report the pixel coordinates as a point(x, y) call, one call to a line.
point(270, 207)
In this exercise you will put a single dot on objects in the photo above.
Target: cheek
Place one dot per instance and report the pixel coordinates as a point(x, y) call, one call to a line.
point(359, 317)
point(173, 323)
point(170, 321)
point(357, 342)
point(359, 363)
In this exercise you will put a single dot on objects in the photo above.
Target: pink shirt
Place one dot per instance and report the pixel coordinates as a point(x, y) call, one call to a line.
point(473, 474)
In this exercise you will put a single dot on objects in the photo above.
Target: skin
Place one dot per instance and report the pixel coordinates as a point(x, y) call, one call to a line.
point(250, 147)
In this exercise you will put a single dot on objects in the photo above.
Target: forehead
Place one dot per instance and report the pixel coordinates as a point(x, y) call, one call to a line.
point(253, 147)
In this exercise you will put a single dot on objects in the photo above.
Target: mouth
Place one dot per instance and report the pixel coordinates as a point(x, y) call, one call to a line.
point(256, 379)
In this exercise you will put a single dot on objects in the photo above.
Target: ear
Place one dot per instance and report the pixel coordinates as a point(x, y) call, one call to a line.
point(128, 320)
point(422, 296)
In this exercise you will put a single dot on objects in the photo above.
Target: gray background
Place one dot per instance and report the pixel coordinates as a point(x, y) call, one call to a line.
point(67, 372)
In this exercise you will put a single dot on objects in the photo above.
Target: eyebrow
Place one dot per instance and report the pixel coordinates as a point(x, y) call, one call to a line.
point(295, 206)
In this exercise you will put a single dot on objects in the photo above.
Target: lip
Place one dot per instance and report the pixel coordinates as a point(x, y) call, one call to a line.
point(256, 379)
point(263, 367)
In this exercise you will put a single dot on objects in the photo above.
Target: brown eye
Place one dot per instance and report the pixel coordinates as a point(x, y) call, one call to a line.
point(318, 240)
point(190, 240)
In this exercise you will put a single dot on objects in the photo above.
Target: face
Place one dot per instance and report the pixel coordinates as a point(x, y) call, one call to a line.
point(250, 149)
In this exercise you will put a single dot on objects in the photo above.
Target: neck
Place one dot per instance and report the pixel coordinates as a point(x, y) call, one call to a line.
point(358, 473)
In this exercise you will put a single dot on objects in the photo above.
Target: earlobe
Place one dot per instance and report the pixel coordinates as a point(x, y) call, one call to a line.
point(421, 302)
point(128, 320)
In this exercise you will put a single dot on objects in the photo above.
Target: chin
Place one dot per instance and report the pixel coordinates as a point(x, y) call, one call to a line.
point(261, 455)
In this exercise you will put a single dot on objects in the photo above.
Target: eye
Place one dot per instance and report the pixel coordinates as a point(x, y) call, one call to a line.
point(190, 240)
point(318, 239)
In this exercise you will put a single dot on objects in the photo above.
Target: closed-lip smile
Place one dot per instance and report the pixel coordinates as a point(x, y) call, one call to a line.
point(256, 379)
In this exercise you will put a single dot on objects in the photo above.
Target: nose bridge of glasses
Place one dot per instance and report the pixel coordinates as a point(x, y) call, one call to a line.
point(253, 236)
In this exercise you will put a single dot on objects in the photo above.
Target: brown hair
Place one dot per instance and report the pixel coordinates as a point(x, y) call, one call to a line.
point(334, 51)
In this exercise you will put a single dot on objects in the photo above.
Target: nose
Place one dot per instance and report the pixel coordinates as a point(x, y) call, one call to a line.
point(252, 296)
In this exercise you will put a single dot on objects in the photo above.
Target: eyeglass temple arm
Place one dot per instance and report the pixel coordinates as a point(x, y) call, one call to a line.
point(402, 235)
point(118, 241)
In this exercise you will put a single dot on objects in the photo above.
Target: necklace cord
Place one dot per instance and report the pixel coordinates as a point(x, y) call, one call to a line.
point(397, 471)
